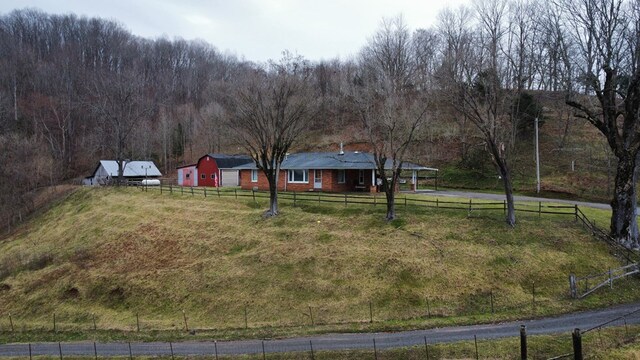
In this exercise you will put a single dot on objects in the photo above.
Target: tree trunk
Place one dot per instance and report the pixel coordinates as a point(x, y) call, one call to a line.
point(273, 201)
point(272, 177)
point(391, 202)
point(624, 224)
point(508, 192)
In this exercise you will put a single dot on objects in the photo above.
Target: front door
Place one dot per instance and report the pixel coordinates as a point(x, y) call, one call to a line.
point(317, 179)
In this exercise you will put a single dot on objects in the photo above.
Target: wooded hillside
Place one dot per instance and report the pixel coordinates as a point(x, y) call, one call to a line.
point(74, 90)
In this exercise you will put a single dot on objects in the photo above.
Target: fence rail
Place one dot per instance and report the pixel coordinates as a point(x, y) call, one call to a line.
point(599, 280)
point(372, 200)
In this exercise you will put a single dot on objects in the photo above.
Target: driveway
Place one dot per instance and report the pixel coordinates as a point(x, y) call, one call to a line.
point(501, 197)
point(558, 324)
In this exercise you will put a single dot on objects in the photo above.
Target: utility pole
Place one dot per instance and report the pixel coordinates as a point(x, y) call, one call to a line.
point(537, 159)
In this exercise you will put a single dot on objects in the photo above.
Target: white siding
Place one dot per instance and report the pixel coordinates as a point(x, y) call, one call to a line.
point(230, 178)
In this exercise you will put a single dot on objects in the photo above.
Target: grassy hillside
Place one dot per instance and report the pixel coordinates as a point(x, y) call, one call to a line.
point(118, 252)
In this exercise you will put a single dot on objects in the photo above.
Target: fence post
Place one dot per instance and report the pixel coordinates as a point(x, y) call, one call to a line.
point(54, 318)
point(137, 322)
point(523, 342)
point(437, 203)
point(170, 189)
point(610, 279)
point(205, 192)
point(426, 347)
point(186, 325)
point(235, 192)
point(375, 350)
point(469, 206)
point(192, 191)
point(294, 198)
point(253, 193)
point(575, 211)
point(160, 189)
point(370, 312)
point(577, 344)
point(374, 200)
point(504, 207)
point(345, 199)
point(533, 297)
point(181, 190)
point(491, 298)
point(572, 286)
point(218, 189)
point(475, 341)
point(311, 346)
point(539, 208)
point(428, 308)
point(405, 201)
point(11, 322)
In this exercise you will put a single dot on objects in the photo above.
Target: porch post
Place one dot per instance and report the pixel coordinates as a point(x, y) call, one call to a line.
point(415, 181)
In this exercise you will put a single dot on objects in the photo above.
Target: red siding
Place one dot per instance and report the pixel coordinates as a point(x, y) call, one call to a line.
point(206, 167)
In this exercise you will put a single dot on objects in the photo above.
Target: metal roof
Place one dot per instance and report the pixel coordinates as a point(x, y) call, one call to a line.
point(333, 160)
point(131, 168)
point(224, 161)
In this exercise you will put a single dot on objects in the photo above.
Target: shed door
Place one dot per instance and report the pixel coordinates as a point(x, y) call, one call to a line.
point(229, 178)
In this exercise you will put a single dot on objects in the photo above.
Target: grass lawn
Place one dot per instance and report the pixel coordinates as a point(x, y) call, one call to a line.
point(109, 254)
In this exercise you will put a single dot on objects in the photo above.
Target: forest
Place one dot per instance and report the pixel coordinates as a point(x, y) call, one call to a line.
point(74, 90)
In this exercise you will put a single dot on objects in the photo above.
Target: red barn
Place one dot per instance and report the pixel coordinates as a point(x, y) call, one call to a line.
point(213, 170)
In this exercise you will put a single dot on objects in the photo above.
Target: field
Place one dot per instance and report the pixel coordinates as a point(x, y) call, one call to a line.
point(162, 263)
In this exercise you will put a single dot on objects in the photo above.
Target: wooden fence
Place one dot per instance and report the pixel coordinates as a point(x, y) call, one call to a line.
point(617, 249)
point(579, 286)
point(368, 199)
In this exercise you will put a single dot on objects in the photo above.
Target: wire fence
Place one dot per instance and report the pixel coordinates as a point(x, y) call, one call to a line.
point(472, 342)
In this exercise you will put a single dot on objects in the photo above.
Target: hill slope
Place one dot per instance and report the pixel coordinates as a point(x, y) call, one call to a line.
point(118, 252)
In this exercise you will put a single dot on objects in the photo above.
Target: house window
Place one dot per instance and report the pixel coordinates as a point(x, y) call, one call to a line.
point(213, 176)
point(298, 176)
point(254, 175)
point(203, 176)
point(342, 176)
point(188, 175)
point(361, 177)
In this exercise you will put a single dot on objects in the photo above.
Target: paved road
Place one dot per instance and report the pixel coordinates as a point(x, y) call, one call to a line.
point(500, 197)
point(559, 324)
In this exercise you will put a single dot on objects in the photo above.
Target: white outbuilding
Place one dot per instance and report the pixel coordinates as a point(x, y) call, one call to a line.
point(133, 171)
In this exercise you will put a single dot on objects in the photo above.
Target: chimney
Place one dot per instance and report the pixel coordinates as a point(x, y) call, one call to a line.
point(341, 150)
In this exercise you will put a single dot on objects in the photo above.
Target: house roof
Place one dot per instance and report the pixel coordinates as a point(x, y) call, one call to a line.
point(131, 168)
point(224, 161)
point(333, 160)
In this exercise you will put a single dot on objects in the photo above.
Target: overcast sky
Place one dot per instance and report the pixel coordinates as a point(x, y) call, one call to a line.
point(254, 29)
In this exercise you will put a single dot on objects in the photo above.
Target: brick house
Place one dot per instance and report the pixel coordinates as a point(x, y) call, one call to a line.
point(345, 171)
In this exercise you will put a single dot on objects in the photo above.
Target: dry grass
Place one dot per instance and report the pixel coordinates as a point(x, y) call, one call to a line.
point(118, 252)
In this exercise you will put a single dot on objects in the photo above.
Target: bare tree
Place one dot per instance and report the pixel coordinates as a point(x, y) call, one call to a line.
point(270, 110)
point(391, 106)
point(480, 95)
point(607, 34)
point(118, 101)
